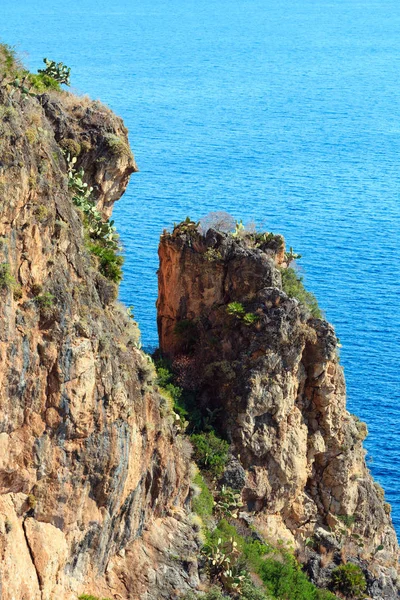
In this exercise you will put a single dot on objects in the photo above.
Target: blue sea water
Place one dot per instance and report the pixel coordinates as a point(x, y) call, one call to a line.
point(287, 113)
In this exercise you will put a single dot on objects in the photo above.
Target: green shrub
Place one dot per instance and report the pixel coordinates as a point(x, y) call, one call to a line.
point(202, 504)
point(42, 82)
point(292, 285)
point(110, 262)
point(210, 452)
point(349, 580)
point(7, 281)
point(348, 520)
point(164, 375)
point(17, 292)
point(250, 319)
point(250, 592)
point(235, 309)
point(285, 579)
point(45, 300)
point(281, 574)
point(165, 381)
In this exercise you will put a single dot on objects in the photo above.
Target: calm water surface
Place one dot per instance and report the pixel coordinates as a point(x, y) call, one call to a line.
point(283, 112)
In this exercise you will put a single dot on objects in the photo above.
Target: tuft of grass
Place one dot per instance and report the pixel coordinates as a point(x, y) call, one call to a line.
point(348, 520)
point(7, 113)
point(117, 146)
point(7, 281)
point(72, 146)
point(90, 597)
point(45, 300)
point(292, 285)
point(235, 309)
point(203, 503)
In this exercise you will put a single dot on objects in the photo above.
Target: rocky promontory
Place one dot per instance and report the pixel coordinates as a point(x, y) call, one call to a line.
point(266, 363)
point(100, 496)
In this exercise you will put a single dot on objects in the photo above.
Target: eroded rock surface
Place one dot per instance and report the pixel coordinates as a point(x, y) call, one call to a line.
point(88, 464)
point(275, 377)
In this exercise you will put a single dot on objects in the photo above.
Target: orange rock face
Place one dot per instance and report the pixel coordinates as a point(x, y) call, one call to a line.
point(270, 370)
point(87, 460)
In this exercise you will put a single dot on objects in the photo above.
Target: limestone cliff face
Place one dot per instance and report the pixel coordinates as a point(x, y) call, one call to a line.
point(92, 476)
point(276, 379)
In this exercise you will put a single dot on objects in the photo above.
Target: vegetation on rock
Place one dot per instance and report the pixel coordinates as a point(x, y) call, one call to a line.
point(203, 501)
point(7, 281)
point(293, 286)
point(349, 580)
point(90, 597)
point(19, 79)
point(57, 71)
point(210, 452)
point(104, 241)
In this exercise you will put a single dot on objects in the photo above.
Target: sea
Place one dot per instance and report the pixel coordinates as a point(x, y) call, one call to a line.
point(285, 113)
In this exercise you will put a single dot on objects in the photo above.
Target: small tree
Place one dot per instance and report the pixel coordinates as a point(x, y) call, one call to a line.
point(219, 220)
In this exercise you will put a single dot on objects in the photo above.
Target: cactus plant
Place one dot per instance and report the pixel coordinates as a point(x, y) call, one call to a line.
point(57, 71)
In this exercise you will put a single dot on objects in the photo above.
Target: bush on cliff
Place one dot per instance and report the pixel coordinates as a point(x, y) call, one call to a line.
point(349, 580)
point(292, 285)
point(210, 452)
point(168, 389)
point(278, 569)
point(110, 262)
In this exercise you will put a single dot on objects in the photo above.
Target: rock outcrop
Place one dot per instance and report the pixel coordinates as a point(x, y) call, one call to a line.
point(92, 475)
point(270, 369)
point(94, 470)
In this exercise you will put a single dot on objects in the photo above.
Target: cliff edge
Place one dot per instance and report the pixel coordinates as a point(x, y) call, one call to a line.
point(97, 483)
point(92, 476)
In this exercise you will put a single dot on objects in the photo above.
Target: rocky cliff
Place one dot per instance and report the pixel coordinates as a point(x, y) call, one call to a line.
point(92, 475)
point(95, 469)
point(268, 365)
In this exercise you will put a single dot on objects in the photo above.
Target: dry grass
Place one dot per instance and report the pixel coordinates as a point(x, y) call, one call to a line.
point(326, 557)
point(73, 102)
point(344, 555)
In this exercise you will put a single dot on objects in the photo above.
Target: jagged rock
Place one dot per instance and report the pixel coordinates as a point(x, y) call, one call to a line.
point(277, 381)
point(234, 476)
